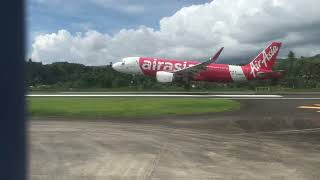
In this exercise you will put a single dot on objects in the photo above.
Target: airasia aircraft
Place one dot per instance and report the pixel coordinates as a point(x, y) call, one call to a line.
point(166, 70)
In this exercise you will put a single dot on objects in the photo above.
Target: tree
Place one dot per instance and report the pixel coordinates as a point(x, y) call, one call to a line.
point(291, 58)
point(291, 74)
point(302, 73)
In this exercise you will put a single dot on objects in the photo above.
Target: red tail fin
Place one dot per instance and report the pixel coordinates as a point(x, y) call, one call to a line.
point(266, 59)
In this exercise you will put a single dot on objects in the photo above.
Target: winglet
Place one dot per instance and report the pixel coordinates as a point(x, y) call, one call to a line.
point(216, 56)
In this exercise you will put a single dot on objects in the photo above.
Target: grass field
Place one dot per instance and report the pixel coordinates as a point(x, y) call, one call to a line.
point(79, 107)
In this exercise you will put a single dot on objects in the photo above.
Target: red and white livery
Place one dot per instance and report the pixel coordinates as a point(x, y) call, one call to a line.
point(167, 70)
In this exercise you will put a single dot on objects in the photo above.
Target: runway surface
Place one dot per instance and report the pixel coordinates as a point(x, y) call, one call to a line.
point(266, 139)
point(180, 95)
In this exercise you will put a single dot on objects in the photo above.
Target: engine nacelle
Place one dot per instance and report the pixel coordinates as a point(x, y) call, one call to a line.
point(165, 77)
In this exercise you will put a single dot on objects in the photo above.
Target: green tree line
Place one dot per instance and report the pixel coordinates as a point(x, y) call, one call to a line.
point(299, 73)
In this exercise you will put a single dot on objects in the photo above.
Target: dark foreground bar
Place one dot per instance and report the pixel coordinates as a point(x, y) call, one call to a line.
point(12, 126)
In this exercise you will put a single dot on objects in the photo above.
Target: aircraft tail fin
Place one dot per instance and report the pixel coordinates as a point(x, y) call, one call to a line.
point(266, 59)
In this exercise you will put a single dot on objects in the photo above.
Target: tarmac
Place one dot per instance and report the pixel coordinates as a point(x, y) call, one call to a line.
point(269, 138)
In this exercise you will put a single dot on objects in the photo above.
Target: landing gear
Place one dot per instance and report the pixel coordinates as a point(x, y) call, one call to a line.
point(274, 81)
point(133, 79)
point(184, 81)
point(187, 86)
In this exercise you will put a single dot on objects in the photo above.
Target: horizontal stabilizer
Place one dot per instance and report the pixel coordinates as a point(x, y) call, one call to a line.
point(270, 74)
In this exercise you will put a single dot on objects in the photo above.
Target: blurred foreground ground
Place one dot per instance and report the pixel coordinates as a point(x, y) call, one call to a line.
point(266, 139)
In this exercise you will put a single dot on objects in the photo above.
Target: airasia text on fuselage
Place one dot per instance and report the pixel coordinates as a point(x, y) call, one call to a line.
point(164, 65)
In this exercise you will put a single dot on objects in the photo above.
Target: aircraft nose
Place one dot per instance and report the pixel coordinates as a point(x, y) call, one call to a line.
point(116, 66)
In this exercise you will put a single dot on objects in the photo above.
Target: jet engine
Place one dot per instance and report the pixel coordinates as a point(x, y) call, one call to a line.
point(165, 77)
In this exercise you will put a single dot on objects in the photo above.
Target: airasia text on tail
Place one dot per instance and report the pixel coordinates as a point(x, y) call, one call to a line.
point(265, 60)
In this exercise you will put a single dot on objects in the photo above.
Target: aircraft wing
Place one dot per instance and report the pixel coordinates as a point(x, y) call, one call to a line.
point(199, 67)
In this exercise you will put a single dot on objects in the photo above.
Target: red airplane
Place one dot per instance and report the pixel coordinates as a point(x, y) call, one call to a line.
point(166, 70)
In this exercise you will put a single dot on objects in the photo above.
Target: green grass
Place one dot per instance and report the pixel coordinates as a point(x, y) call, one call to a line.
point(78, 107)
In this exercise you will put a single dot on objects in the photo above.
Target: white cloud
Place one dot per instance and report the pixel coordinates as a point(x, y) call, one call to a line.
point(195, 32)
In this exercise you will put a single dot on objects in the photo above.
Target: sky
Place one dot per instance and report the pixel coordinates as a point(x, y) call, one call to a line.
point(97, 32)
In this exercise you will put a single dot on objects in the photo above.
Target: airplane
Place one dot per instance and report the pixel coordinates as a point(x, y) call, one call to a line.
point(167, 70)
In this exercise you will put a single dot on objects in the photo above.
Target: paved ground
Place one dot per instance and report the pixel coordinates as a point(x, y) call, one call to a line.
point(267, 139)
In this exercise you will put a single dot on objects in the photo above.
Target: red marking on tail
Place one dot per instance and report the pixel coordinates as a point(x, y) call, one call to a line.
point(264, 61)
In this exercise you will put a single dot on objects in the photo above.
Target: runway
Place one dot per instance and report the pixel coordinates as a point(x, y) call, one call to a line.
point(266, 139)
point(180, 95)
point(156, 95)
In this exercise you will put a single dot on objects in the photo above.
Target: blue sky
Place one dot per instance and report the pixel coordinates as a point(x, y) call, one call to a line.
point(108, 16)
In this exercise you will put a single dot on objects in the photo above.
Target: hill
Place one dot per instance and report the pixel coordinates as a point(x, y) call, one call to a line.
point(301, 72)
